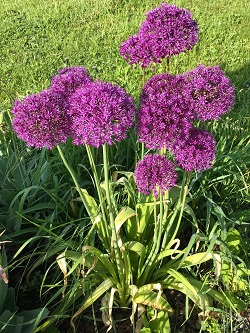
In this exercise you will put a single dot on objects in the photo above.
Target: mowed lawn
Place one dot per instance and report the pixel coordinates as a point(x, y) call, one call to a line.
point(40, 37)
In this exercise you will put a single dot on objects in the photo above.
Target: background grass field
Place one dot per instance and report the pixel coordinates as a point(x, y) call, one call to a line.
point(38, 38)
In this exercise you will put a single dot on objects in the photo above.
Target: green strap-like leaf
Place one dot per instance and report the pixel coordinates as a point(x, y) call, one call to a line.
point(226, 298)
point(124, 214)
point(194, 259)
point(160, 323)
point(171, 251)
point(151, 298)
point(98, 292)
point(136, 247)
point(103, 258)
point(177, 281)
point(92, 205)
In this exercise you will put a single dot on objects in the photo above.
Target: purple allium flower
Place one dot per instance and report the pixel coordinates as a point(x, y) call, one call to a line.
point(210, 92)
point(167, 31)
point(41, 120)
point(101, 112)
point(164, 114)
point(69, 79)
point(137, 51)
point(155, 172)
point(196, 151)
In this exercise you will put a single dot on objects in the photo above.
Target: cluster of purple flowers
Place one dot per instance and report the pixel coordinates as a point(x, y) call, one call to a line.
point(167, 31)
point(170, 104)
point(74, 106)
point(153, 173)
point(96, 113)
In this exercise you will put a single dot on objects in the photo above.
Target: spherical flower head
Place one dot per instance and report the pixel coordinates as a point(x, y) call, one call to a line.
point(153, 173)
point(101, 113)
point(69, 79)
point(164, 114)
point(167, 31)
point(136, 50)
point(196, 151)
point(41, 120)
point(209, 91)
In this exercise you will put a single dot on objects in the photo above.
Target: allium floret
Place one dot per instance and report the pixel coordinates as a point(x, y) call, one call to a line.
point(41, 120)
point(209, 91)
point(101, 113)
point(154, 173)
point(164, 114)
point(196, 151)
point(167, 31)
point(69, 79)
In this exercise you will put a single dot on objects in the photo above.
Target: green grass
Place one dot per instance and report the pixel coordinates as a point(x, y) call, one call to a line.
point(39, 38)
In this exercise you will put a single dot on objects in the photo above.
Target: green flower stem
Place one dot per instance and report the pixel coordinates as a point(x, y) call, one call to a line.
point(179, 208)
point(164, 241)
point(73, 175)
point(142, 155)
point(149, 264)
point(104, 223)
point(184, 192)
point(160, 226)
point(143, 76)
point(117, 252)
point(142, 150)
point(143, 84)
point(168, 65)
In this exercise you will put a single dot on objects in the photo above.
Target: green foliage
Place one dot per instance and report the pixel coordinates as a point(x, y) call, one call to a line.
point(152, 260)
point(234, 271)
point(211, 326)
point(12, 321)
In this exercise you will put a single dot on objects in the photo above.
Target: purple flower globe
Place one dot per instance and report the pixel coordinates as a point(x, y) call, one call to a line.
point(196, 151)
point(101, 113)
point(167, 31)
point(153, 173)
point(164, 114)
point(41, 120)
point(209, 91)
point(69, 79)
point(137, 51)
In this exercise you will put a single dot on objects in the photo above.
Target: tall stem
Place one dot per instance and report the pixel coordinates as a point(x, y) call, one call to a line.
point(104, 223)
point(149, 264)
point(168, 65)
point(117, 252)
point(143, 84)
point(184, 193)
point(73, 175)
point(143, 76)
